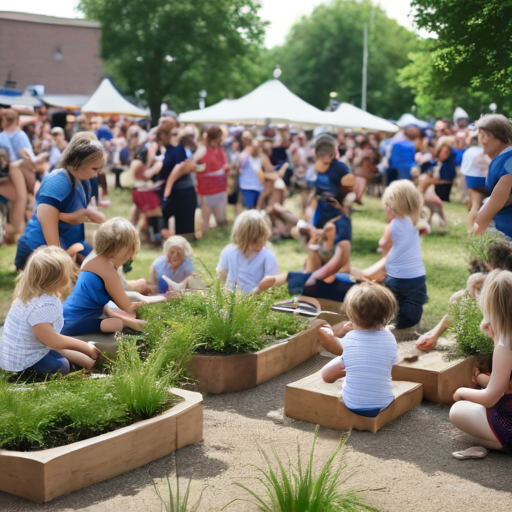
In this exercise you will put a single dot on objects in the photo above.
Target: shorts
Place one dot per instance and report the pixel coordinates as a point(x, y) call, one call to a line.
point(250, 198)
point(500, 420)
point(146, 200)
point(216, 201)
point(411, 294)
point(443, 191)
point(79, 326)
point(366, 413)
point(331, 291)
point(474, 182)
point(53, 362)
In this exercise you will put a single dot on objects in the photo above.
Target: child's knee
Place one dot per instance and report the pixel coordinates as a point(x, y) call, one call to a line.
point(112, 325)
point(64, 366)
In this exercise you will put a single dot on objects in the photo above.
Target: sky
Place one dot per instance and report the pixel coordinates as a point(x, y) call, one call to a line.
point(280, 13)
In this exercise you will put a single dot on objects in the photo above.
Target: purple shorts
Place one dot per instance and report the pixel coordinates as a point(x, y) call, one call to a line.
point(500, 420)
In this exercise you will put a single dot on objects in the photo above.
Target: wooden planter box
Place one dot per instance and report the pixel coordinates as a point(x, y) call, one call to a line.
point(229, 373)
point(440, 378)
point(43, 475)
point(333, 307)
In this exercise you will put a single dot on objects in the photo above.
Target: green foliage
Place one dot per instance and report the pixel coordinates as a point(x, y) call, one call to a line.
point(323, 53)
point(465, 317)
point(478, 246)
point(172, 49)
point(174, 504)
point(473, 45)
point(301, 490)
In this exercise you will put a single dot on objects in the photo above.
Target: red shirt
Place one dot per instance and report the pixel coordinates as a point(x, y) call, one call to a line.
point(213, 179)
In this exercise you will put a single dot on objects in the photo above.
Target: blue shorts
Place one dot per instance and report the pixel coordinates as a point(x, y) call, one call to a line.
point(79, 326)
point(366, 413)
point(410, 294)
point(250, 198)
point(475, 182)
point(331, 291)
point(52, 362)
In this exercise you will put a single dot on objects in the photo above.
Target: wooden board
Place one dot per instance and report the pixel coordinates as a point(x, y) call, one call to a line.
point(229, 373)
point(440, 376)
point(313, 400)
point(334, 307)
point(43, 475)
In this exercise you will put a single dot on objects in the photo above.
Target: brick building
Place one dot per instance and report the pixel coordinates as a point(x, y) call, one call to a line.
point(60, 53)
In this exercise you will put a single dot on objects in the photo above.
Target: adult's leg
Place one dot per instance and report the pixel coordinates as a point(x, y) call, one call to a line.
point(220, 209)
point(471, 418)
point(185, 210)
point(205, 214)
point(17, 209)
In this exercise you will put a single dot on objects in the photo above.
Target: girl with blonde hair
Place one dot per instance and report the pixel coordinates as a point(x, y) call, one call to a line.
point(63, 199)
point(31, 338)
point(486, 414)
point(85, 311)
point(404, 265)
point(246, 261)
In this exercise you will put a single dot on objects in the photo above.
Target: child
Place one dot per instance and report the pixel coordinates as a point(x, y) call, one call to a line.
point(247, 261)
point(116, 242)
point(404, 265)
point(486, 414)
point(31, 338)
point(175, 265)
point(369, 350)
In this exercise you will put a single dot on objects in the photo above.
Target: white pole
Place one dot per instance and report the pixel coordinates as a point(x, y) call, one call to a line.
point(365, 66)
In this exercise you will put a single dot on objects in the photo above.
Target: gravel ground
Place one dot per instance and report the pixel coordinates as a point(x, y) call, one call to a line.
point(406, 466)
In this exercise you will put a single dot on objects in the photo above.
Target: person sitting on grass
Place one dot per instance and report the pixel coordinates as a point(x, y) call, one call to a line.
point(31, 338)
point(172, 270)
point(246, 261)
point(85, 311)
point(369, 350)
point(485, 414)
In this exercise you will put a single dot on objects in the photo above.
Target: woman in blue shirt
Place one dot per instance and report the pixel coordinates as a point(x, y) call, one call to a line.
point(442, 171)
point(495, 136)
point(61, 203)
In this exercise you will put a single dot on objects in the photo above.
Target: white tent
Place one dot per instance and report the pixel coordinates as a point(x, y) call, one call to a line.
point(107, 100)
point(349, 116)
point(71, 101)
point(271, 102)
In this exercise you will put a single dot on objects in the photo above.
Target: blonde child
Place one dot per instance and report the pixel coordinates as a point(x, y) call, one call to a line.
point(171, 270)
point(246, 261)
point(116, 242)
point(369, 350)
point(486, 414)
point(31, 338)
point(404, 266)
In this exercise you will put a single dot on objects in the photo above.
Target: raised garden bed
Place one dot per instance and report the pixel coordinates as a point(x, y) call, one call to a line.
point(218, 373)
point(43, 475)
point(440, 375)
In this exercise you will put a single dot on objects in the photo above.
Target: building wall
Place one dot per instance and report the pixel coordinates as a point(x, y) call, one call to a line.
point(27, 56)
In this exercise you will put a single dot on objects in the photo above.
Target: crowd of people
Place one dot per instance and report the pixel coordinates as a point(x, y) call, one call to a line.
point(54, 181)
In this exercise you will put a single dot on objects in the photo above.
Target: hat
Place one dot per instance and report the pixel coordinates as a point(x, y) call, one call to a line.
point(57, 129)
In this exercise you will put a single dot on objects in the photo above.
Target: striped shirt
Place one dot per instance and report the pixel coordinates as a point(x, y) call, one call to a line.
point(368, 357)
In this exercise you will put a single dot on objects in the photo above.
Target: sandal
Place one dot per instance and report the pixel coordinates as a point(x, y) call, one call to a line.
point(475, 452)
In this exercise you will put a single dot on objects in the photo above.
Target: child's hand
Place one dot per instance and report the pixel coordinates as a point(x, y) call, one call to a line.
point(95, 216)
point(327, 329)
point(137, 305)
point(94, 352)
point(476, 373)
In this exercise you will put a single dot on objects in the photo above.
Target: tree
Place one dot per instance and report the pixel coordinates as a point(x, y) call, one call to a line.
point(324, 52)
point(474, 42)
point(173, 49)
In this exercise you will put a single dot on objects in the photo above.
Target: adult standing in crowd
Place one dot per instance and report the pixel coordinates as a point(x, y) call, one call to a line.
point(495, 136)
point(402, 159)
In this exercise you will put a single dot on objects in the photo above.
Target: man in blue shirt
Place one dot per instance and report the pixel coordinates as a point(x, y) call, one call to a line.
point(402, 155)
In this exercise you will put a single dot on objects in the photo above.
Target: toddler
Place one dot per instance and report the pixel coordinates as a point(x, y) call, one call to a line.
point(171, 270)
point(369, 350)
point(85, 311)
point(31, 338)
point(404, 266)
point(246, 261)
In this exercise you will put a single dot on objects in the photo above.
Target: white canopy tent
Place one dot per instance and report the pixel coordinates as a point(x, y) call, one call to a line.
point(271, 102)
point(25, 101)
point(349, 116)
point(71, 101)
point(108, 101)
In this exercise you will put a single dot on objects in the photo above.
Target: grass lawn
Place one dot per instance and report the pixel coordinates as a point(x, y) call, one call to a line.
point(444, 254)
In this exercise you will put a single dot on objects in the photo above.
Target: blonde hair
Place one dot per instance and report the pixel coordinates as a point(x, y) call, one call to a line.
point(83, 148)
point(251, 229)
point(116, 235)
point(403, 198)
point(370, 305)
point(496, 304)
point(178, 241)
point(48, 270)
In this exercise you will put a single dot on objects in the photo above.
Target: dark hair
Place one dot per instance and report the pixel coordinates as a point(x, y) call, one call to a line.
point(325, 145)
point(500, 255)
point(213, 133)
point(477, 265)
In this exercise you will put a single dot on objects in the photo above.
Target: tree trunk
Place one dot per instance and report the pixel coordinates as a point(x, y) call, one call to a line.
point(154, 102)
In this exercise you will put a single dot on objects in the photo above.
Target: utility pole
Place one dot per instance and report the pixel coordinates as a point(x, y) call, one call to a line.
point(365, 67)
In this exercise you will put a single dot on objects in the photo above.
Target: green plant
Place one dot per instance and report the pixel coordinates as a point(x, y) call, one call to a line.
point(478, 245)
point(287, 490)
point(174, 505)
point(465, 317)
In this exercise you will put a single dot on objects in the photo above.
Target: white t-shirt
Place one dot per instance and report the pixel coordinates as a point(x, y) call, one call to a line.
point(474, 162)
point(245, 273)
point(369, 357)
point(19, 347)
point(404, 260)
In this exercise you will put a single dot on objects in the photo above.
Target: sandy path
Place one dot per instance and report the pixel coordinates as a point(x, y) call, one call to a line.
point(404, 467)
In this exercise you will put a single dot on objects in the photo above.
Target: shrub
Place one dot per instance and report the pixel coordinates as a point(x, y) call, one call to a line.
point(301, 490)
point(465, 317)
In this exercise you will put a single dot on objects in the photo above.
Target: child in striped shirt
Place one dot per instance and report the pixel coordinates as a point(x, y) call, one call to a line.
point(369, 350)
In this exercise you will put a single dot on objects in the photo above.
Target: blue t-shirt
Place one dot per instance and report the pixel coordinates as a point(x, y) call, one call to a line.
point(501, 166)
point(402, 158)
point(6, 145)
point(459, 153)
point(56, 191)
point(175, 155)
point(329, 184)
point(104, 133)
point(19, 140)
point(449, 168)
